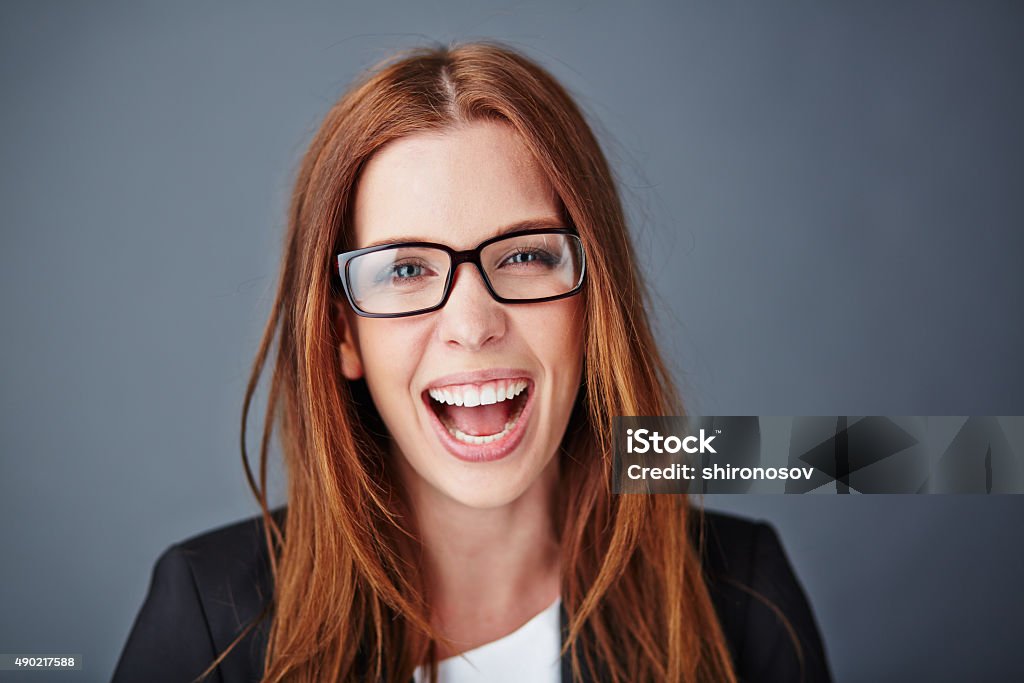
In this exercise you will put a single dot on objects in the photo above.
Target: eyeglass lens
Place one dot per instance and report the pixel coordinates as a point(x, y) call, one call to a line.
point(403, 279)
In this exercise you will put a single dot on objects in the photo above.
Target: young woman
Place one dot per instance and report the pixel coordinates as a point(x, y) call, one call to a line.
point(458, 321)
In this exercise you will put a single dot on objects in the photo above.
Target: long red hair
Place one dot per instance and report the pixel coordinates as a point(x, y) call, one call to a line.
point(349, 601)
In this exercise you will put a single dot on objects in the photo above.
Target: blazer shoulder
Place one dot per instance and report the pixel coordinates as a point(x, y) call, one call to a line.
point(727, 540)
point(231, 567)
point(204, 593)
point(232, 553)
point(761, 604)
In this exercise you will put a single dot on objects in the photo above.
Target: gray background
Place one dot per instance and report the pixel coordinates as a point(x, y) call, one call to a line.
point(827, 198)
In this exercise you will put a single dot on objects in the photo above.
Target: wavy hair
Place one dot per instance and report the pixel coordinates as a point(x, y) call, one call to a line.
point(349, 600)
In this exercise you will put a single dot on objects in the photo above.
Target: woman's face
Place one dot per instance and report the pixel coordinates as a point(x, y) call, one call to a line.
point(460, 187)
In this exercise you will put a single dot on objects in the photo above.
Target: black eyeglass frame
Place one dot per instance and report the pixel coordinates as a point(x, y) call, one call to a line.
point(457, 259)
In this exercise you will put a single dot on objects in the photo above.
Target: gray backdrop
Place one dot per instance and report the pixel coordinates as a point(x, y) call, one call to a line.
point(827, 199)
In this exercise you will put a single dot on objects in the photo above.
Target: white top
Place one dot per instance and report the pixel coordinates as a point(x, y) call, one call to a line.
point(530, 653)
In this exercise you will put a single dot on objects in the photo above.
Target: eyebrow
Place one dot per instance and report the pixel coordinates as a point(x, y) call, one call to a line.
point(528, 224)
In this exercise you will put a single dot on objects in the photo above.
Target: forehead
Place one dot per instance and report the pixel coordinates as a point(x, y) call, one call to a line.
point(457, 187)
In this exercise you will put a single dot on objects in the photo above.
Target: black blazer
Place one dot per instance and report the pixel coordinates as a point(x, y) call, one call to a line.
point(205, 590)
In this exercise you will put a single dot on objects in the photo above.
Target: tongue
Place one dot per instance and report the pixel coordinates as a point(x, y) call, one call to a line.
point(481, 420)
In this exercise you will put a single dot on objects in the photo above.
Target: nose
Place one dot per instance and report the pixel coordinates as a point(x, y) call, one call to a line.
point(471, 318)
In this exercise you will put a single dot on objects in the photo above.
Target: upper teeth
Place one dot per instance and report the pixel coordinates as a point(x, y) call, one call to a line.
point(471, 395)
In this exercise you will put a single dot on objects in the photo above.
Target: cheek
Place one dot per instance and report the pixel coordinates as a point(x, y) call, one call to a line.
point(572, 328)
point(390, 354)
point(557, 337)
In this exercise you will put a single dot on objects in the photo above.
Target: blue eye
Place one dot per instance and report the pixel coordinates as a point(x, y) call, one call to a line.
point(523, 257)
point(526, 257)
point(408, 270)
point(406, 275)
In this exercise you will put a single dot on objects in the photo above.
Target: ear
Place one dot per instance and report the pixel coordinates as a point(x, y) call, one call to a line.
point(344, 324)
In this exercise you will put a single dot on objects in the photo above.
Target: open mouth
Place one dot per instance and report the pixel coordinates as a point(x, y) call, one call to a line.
point(480, 421)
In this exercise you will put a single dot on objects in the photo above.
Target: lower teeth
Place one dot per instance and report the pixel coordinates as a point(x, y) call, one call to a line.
point(479, 440)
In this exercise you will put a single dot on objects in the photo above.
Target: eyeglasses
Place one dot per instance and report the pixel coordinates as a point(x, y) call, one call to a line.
point(409, 278)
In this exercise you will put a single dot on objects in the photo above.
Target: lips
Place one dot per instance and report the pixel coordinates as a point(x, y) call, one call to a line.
point(480, 416)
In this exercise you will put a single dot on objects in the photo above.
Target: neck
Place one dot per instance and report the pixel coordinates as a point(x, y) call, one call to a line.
point(488, 570)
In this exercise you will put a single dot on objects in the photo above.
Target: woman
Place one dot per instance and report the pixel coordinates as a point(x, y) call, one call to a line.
point(459, 319)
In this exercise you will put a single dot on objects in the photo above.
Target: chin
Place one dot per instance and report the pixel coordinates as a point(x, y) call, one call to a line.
point(478, 485)
point(484, 500)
